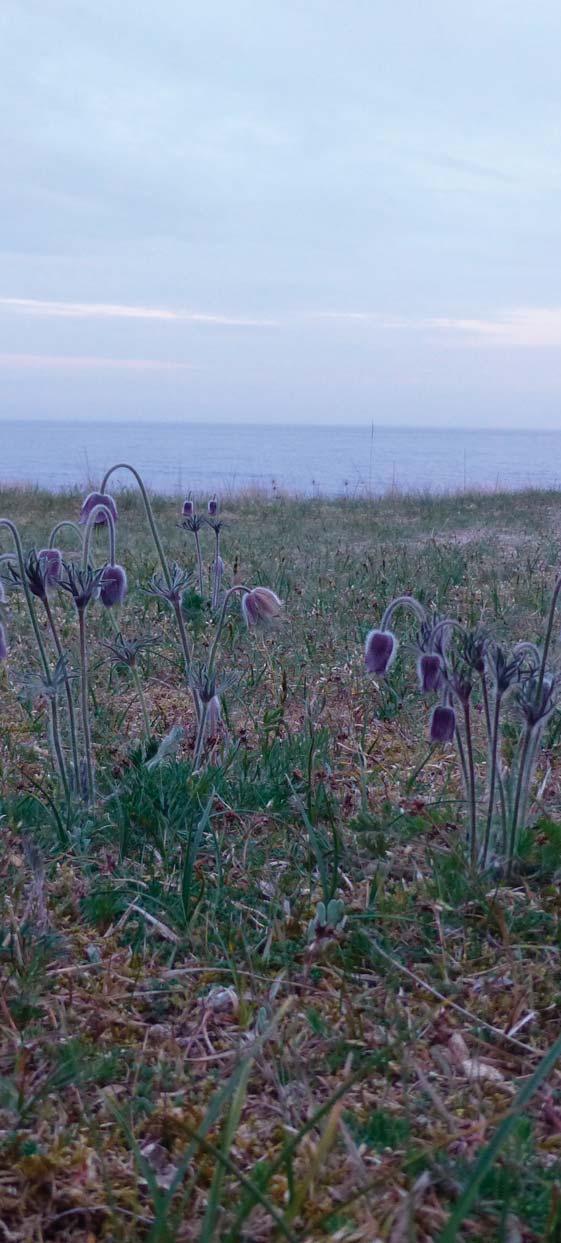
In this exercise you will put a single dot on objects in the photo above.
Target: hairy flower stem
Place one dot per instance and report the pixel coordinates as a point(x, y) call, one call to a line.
point(406, 602)
point(524, 750)
point(200, 737)
point(12, 528)
point(55, 731)
point(59, 527)
point(199, 563)
point(149, 513)
point(84, 707)
point(163, 561)
point(90, 524)
point(548, 634)
point(212, 654)
point(493, 731)
point(217, 574)
point(137, 682)
point(471, 786)
point(68, 690)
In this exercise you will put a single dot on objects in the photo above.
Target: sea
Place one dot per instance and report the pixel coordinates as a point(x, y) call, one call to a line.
point(197, 458)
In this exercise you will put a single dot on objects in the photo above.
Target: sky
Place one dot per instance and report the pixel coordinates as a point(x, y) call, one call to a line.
point(288, 211)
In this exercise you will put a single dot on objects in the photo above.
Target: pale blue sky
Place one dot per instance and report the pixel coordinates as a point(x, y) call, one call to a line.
point(289, 211)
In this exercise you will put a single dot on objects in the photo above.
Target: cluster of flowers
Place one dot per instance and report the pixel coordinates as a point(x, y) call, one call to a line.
point(40, 574)
point(457, 663)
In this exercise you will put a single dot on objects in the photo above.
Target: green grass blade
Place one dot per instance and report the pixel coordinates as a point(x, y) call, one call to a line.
point(489, 1154)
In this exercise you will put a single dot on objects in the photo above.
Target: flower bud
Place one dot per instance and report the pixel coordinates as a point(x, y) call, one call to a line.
point(188, 508)
point(50, 560)
point(213, 507)
point(442, 724)
point(260, 605)
point(113, 585)
point(429, 669)
point(380, 651)
point(3, 643)
point(98, 498)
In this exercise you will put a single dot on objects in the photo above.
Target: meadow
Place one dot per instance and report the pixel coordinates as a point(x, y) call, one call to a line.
point(255, 984)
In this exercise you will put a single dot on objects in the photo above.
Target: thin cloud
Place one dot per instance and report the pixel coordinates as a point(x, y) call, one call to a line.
point(522, 327)
point(58, 362)
point(108, 310)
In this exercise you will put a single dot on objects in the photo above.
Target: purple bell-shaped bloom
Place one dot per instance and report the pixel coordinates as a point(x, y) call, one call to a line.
point(379, 651)
point(429, 669)
point(3, 643)
point(98, 498)
point(113, 585)
point(213, 507)
point(51, 561)
point(442, 724)
point(260, 605)
point(188, 508)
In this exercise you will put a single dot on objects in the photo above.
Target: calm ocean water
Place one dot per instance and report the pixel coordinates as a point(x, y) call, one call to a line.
point(174, 458)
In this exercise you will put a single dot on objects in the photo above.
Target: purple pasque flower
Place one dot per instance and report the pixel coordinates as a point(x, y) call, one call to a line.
point(429, 668)
point(212, 507)
point(3, 643)
point(380, 651)
point(51, 561)
point(442, 724)
point(98, 498)
point(113, 585)
point(260, 605)
point(188, 508)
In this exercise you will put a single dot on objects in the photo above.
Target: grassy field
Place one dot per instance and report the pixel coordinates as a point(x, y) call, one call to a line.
point(189, 1051)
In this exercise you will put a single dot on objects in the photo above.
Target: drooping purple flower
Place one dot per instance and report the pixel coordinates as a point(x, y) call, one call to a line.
point(51, 561)
point(442, 724)
point(429, 669)
point(213, 507)
point(260, 605)
point(113, 585)
point(188, 508)
point(379, 651)
point(3, 643)
point(98, 498)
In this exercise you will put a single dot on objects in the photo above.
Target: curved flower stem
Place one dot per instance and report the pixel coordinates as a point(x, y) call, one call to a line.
point(199, 562)
point(217, 573)
point(493, 750)
point(406, 602)
point(137, 682)
point(518, 794)
point(84, 707)
point(200, 737)
point(10, 526)
point(149, 513)
point(142, 701)
point(548, 634)
point(68, 689)
point(55, 731)
point(471, 786)
point(530, 764)
point(90, 524)
point(59, 526)
point(220, 626)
